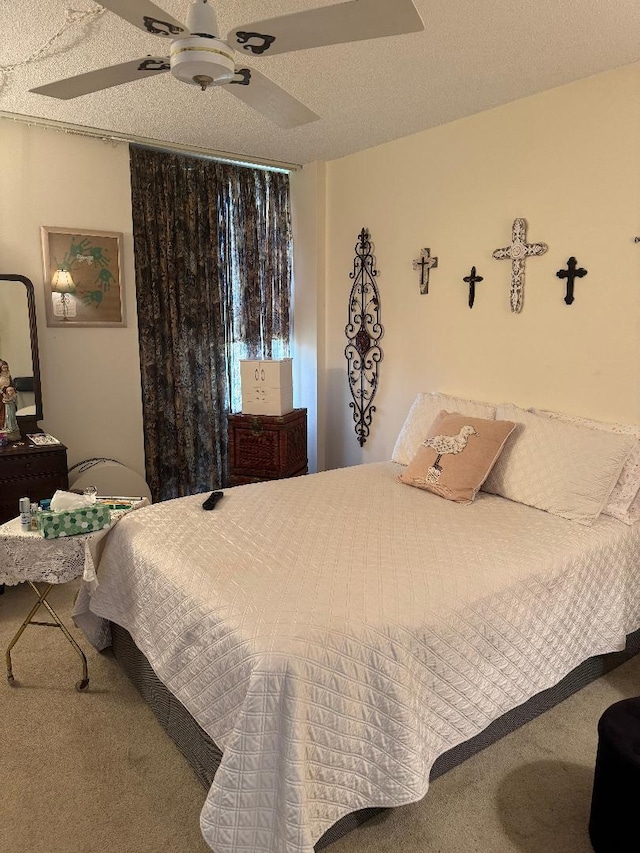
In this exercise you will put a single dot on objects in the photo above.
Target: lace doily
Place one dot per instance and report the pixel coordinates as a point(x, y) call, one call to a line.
point(27, 556)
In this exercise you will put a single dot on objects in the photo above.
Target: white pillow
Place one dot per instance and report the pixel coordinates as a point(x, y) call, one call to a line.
point(624, 497)
point(564, 469)
point(424, 410)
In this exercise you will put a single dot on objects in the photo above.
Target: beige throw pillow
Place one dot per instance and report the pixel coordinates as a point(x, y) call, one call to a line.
point(424, 410)
point(456, 456)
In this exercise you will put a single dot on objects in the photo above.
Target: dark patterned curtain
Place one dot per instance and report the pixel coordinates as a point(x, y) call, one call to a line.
point(213, 283)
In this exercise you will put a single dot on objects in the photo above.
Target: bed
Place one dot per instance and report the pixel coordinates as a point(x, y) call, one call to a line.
point(335, 636)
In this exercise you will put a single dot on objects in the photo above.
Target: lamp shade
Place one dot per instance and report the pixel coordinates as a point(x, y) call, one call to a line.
point(62, 282)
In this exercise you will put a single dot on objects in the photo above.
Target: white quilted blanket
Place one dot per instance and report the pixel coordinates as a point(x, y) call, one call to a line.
point(335, 633)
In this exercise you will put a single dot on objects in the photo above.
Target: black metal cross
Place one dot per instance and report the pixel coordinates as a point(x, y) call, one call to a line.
point(472, 280)
point(571, 273)
point(425, 263)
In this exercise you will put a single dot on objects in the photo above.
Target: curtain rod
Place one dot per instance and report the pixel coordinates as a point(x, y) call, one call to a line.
point(113, 136)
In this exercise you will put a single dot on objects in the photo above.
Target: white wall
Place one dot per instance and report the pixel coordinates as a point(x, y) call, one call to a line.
point(90, 377)
point(568, 161)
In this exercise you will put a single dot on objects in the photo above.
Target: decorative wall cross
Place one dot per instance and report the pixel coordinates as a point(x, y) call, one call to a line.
point(425, 263)
point(571, 273)
point(472, 280)
point(518, 252)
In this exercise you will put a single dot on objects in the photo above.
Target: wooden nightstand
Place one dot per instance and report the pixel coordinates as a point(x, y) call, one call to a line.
point(267, 447)
point(27, 470)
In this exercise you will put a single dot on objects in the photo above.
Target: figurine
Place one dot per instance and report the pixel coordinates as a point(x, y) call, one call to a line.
point(8, 404)
point(5, 375)
point(5, 381)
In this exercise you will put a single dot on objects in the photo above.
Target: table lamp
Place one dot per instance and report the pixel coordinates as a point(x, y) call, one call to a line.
point(62, 283)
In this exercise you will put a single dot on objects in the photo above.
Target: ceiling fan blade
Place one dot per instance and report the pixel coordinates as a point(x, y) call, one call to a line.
point(146, 16)
point(265, 96)
point(345, 22)
point(105, 78)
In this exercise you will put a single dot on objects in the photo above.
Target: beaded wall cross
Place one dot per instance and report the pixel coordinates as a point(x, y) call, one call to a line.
point(518, 251)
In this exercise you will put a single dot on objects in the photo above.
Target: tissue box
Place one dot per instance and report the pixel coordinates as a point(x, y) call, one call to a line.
point(70, 522)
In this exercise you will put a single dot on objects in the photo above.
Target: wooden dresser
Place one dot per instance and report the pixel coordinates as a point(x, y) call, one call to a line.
point(26, 470)
point(267, 447)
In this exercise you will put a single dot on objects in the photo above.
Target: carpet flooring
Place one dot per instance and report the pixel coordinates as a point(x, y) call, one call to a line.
point(91, 772)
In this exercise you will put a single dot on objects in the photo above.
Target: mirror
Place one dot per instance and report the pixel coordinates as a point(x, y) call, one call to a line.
point(19, 348)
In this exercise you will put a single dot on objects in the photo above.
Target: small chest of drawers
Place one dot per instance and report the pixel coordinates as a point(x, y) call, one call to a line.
point(267, 447)
point(267, 387)
point(29, 471)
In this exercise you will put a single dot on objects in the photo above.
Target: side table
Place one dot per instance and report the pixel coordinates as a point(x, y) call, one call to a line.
point(29, 557)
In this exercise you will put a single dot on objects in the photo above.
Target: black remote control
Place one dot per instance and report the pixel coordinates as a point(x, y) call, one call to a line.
point(212, 500)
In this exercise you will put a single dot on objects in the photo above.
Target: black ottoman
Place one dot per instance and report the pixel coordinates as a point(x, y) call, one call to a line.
point(614, 826)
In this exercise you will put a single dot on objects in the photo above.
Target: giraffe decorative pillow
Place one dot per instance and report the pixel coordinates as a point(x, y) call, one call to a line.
point(456, 456)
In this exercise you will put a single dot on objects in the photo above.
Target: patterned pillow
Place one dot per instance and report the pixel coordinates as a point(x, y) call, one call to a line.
point(453, 460)
point(558, 467)
point(624, 501)
point(424, 411)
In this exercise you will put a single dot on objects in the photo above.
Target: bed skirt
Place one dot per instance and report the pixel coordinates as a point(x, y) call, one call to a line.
point(204, 756)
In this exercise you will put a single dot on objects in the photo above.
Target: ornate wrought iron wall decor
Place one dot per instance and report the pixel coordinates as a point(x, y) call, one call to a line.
point(364, 331)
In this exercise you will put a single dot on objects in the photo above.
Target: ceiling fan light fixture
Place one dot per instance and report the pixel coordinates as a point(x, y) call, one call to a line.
point(202, 20)
point(196, 59)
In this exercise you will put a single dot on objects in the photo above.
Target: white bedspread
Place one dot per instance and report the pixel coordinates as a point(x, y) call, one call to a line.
point(335, 633)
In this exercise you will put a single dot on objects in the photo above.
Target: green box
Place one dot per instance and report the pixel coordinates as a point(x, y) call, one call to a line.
point(70, 522)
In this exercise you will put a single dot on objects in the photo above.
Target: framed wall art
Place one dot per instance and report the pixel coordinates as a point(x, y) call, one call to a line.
point(83, 277)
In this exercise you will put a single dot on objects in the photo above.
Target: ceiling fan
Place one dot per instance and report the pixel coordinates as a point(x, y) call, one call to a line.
point(199, 56)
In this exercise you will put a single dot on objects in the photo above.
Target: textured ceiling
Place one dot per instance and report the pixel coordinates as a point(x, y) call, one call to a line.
point(472, 55)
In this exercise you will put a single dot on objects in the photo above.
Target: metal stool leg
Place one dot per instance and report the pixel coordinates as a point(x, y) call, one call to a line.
point(27, 621)
point(80, 685)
